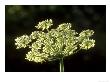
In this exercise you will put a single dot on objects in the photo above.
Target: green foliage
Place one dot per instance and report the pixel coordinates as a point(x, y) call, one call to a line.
point(56, 43)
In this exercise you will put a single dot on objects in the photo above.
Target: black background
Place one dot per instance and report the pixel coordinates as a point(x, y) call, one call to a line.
point(20, 20)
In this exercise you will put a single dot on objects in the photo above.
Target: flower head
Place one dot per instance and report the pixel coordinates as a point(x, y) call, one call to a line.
point(23, 41)
point(64, 26)
point(87, 44)
point(54, 44)
point(45, 24)
point(87, 33)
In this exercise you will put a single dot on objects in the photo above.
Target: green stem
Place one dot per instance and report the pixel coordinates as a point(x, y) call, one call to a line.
point(61, 65)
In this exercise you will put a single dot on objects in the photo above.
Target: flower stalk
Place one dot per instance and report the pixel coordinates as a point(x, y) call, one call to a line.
point(61, 65)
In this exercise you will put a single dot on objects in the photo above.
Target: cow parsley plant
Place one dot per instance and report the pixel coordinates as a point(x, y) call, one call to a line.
point(54, 43)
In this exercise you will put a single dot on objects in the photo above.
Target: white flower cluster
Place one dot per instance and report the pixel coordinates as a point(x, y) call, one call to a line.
point(23, 41)
point(56, 43)
point(64, 26)
point(34, 35)
point(45, 24)
point(85, 34)
point(36, 56)
point(87, 43)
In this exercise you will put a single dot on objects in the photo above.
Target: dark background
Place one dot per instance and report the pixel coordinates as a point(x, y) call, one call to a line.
point(21, 20)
